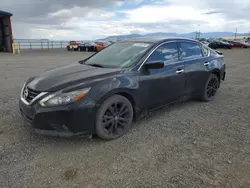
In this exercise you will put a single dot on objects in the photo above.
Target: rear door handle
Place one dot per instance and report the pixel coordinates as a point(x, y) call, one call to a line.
point(179, 71)
point(206, 63)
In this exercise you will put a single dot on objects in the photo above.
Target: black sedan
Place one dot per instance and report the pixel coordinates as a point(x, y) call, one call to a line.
point(105, 92)
point(220, 44)
point(87, 47)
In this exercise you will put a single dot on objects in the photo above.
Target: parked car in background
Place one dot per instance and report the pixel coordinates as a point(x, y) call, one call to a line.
point(100, 45)
point(220, 44)
point(205, 42)
point(239, 44)
point(247, 44)
point(87, 47)
point(105, 92)
point(73, 45)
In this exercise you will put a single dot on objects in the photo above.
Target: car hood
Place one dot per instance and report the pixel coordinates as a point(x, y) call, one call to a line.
point(62, 77)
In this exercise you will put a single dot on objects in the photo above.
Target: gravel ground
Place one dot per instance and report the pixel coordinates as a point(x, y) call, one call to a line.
point(193, 144)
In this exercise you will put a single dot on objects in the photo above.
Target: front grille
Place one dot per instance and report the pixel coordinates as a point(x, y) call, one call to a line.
point(31, 94)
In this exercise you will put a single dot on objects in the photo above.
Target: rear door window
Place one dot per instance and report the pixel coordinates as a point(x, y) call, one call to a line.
point(206, 52)
point(190, 50)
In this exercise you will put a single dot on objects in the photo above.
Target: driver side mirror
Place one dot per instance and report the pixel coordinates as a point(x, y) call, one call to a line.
point(154, 65)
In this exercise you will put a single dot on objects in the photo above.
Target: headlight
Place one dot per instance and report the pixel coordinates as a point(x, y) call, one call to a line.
point(63, 98)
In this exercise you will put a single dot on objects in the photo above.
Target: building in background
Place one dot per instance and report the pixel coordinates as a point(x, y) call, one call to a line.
point(6, 38)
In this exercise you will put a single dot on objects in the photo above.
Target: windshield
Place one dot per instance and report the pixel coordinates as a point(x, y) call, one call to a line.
point(120, 55)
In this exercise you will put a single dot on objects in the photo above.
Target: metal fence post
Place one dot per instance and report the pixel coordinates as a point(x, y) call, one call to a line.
point(30, 45)
point(13, 48)
point(18, 48)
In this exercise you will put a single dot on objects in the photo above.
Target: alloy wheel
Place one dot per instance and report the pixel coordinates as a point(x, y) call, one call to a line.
point(116, 118)
point(212, 87)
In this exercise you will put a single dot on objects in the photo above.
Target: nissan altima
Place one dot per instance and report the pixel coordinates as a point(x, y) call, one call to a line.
point(104, 93)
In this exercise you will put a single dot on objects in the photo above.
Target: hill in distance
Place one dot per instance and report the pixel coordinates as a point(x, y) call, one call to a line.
point(186, 35)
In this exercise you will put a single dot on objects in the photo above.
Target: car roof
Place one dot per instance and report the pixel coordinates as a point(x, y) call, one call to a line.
point(157, 39)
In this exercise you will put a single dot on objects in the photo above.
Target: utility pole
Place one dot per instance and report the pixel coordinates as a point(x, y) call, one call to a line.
point(235, 35)
point(197, 35)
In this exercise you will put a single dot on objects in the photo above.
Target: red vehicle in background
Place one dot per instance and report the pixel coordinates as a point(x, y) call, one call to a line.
point(73, 45)
point(239, 44)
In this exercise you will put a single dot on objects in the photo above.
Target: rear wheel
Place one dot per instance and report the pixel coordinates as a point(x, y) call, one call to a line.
point(211, 87)
point(114, 117)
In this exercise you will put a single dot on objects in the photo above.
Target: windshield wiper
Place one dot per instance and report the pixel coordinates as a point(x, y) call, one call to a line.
point(95, 65)
point(81, 61)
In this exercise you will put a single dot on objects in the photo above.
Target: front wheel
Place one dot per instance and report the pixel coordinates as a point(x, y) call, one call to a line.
point(211, 87)
point(114, 117)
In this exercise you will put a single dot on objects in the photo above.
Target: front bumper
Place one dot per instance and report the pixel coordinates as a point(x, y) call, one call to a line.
point(68, 120)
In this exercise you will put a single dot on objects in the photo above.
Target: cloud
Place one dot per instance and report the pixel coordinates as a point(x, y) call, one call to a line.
point(56, 12)
point(90, 19)
point(31, 18)
point(36, 8)
point(212, 12)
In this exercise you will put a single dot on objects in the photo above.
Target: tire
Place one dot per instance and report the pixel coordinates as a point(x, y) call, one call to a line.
point(211, 87)
point(118, 112)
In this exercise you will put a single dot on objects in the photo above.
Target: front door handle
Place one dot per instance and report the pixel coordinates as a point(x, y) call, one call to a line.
point(206, 63)
point(179, 71)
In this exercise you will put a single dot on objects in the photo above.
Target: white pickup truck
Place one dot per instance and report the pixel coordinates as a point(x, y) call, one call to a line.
point(73, 45)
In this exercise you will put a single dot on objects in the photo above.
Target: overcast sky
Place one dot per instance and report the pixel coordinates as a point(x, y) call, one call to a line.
point(91, 19)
